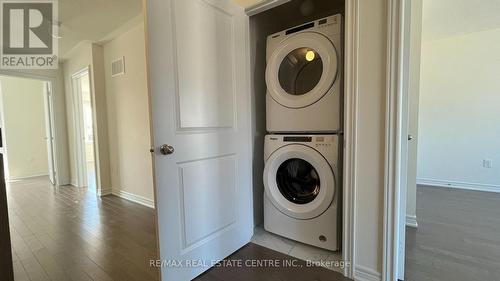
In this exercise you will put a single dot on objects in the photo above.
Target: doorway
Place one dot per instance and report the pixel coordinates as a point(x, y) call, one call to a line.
point(27, 129)
point(84, 124)
point(449, 189)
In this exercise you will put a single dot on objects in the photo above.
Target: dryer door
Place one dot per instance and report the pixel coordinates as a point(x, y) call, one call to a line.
point(299, 181)
point(301, 70)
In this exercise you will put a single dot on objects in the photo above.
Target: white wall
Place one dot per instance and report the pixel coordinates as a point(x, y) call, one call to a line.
point(128, 115)
point(459, 121)
point(24, 127)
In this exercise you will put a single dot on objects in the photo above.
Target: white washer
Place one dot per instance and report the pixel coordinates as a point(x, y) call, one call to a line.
point(303, 78)
point(302, 191)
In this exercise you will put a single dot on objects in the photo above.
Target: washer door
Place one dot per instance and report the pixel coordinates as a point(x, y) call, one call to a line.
point(299, 181)
point(301, 70)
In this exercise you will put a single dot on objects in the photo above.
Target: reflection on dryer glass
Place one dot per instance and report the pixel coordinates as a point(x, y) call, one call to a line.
point(300, 71)
point(298, 181)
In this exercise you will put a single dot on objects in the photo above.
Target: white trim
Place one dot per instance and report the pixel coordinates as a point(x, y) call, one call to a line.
point(26, 177)
point(411, 221)
point(104, 191)
point(134, 198)
point(264, 6)
point(350, 134)
point(393, 143)
point(366, 274)
point(459, 185)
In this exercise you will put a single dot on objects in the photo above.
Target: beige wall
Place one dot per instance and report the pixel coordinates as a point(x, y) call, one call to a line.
point(24, 127)
point(101, 119)
point(128, 115)
point(459, 120)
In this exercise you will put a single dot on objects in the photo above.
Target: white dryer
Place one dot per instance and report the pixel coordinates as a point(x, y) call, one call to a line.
point(303, 78)
point(301, 197)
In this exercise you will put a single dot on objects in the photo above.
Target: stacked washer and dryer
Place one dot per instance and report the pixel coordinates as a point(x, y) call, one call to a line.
point(304, 123)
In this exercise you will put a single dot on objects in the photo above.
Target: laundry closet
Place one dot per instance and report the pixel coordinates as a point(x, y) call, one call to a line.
point(297, 116)
point(236, 130)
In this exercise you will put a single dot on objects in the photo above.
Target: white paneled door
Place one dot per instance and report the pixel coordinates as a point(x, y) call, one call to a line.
point(199, 83)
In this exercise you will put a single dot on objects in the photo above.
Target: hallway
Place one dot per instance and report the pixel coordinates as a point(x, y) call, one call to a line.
point(68, 233)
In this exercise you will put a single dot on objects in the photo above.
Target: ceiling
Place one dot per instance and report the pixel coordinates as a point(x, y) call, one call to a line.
point(447, 18)
point(92, 20)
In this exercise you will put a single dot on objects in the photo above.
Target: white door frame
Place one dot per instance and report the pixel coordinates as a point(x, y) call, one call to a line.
point(48, 95)
point(395, 116)
point(57, 140)
point(350, 137)
point(81, 165)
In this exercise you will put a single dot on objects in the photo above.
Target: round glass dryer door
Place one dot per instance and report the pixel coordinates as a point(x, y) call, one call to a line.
point(299, 181)
point(301, 70)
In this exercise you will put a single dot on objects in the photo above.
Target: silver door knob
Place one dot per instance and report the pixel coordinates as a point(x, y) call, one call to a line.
point(166, 149)
point(410, 137)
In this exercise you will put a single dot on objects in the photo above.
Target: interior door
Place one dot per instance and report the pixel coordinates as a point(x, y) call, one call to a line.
point(49, 134)
point(199, 84)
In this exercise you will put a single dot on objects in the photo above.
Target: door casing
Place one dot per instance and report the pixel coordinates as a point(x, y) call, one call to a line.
point(81, 165)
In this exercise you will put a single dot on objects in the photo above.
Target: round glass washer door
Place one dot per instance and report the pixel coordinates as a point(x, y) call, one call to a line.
point(301, 70)
point(299, 181)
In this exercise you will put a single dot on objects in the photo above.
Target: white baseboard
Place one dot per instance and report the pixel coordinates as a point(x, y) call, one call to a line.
point(134, 198)
point(26, 177)
point(460, 185)
point(362, 273)
point(104, 191)
point(411, 221)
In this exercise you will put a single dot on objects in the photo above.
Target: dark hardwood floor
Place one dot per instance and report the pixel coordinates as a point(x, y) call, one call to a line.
point(67, 233)
point(458, 236)
point(274, 266)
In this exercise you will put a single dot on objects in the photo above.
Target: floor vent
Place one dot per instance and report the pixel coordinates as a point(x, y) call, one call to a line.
point(118, 67)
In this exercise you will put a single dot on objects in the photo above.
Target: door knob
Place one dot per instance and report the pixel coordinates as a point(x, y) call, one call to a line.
point(410, 137)
point(166, 149)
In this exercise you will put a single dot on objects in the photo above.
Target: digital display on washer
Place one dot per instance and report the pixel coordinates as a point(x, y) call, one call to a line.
point(297, 139)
